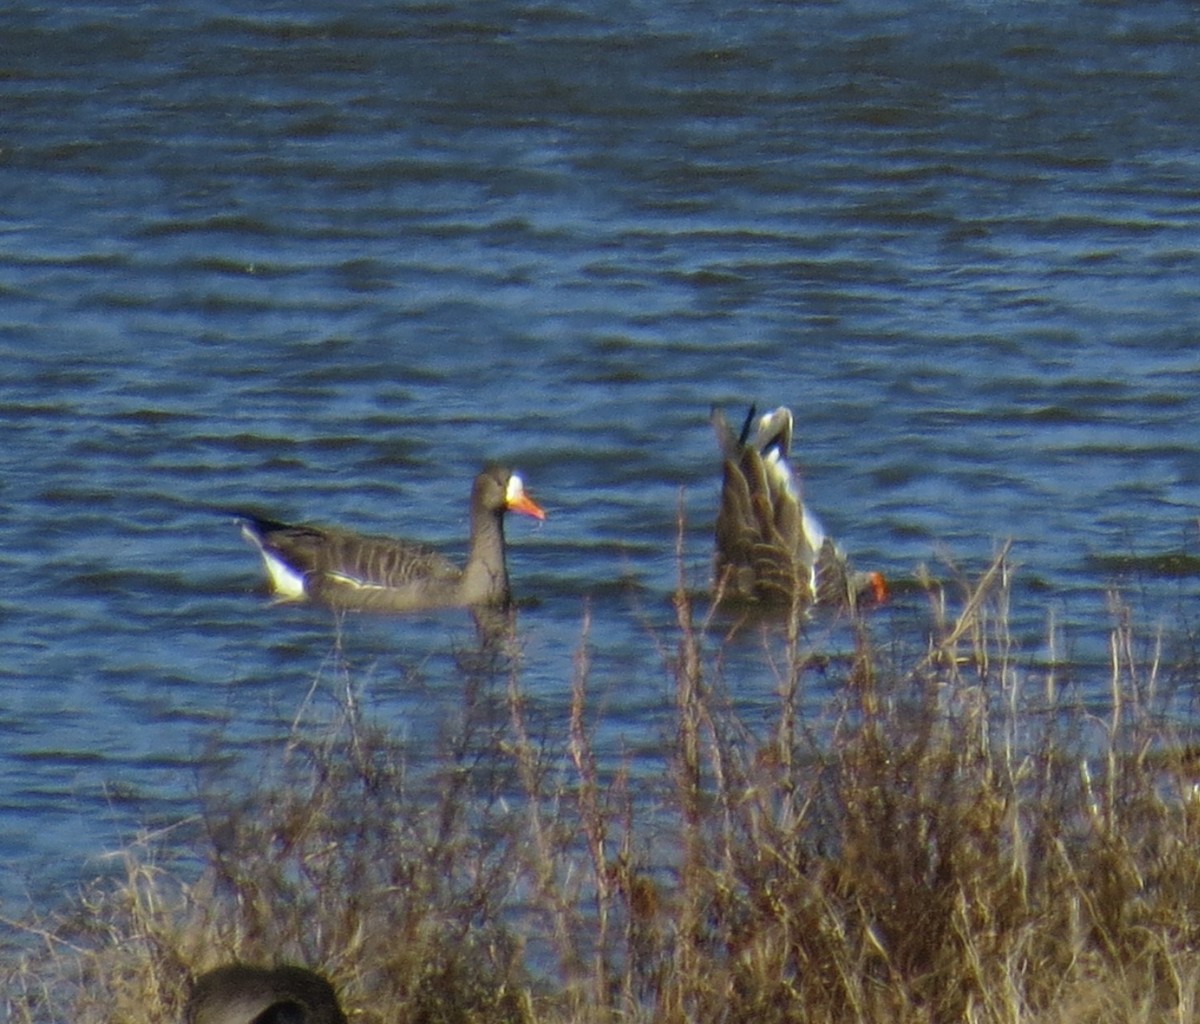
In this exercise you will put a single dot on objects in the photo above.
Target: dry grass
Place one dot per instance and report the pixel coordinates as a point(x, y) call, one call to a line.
point(943, 846)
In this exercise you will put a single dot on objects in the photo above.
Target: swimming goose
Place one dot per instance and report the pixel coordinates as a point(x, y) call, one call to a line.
point(769, 546)
point(351, 570)
point(241, 994)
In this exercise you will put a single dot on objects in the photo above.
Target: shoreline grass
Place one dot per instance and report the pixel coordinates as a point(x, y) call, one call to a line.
point(950, 841)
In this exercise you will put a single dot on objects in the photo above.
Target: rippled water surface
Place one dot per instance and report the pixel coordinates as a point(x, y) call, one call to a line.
point(327, 259)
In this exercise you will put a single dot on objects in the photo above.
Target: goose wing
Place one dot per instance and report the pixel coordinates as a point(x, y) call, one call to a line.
point(309, 561)
point(369, 562)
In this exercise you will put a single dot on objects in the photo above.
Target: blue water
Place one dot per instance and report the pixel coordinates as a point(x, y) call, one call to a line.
point(328, 260)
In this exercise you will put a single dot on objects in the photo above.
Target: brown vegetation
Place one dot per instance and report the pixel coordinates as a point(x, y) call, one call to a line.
point(942, 847)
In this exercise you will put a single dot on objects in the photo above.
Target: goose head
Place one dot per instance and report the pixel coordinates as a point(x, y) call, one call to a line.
point(499, 490)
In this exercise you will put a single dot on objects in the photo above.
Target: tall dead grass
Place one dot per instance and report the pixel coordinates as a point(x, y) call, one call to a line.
point(953, 841)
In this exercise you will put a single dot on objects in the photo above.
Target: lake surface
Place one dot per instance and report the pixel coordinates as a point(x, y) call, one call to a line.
point(326, 260)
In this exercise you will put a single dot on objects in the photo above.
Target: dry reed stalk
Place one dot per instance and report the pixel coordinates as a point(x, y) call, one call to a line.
point(926, 855)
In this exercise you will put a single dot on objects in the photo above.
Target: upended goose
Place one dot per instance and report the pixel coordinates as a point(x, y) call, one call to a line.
point(349, 570)
point(241, 994)
point(769, 546)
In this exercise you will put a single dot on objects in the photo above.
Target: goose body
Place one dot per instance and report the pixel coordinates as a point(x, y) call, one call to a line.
point(769, 545)
point(351, 570)
point(241, 994)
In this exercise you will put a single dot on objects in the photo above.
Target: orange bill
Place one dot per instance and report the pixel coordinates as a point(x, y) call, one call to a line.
point(518, 501)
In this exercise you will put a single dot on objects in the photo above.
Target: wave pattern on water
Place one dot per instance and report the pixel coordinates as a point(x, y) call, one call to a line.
point(327, 260)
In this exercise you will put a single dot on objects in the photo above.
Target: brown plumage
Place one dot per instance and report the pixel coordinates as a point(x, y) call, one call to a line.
point(241, 994)
point(351, 570)
point(769, 546)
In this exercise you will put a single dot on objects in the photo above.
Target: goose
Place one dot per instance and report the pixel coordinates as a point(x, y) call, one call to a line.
point(242, 994)
point(769, 545)
point(348, 570)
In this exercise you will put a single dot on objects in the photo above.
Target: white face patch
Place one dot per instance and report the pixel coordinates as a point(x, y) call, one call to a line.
point(515, 490)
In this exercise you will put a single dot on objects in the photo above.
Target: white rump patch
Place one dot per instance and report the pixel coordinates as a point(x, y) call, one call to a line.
point(287, 583)
point(776, 425)
point(813, 530)
point(780, 471)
